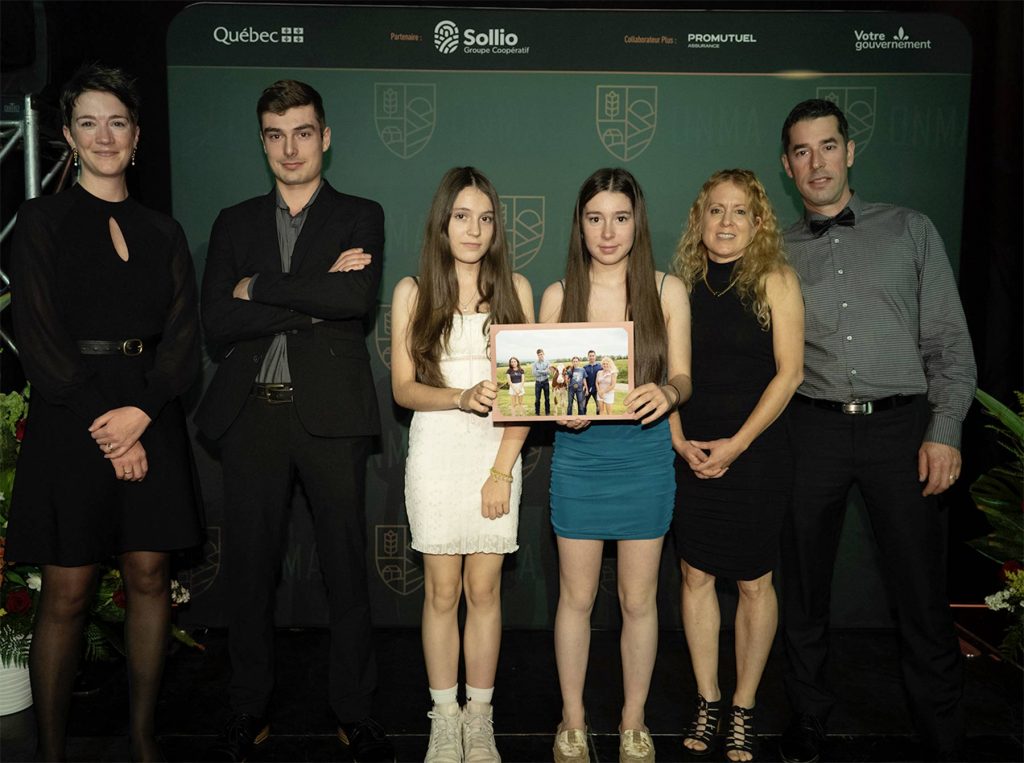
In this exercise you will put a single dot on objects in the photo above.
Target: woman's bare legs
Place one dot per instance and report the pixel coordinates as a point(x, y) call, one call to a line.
point(442, 587)
point(482, 640)
point(639, 562)
point(757, 616)
point(701, 623)
point(579, 570)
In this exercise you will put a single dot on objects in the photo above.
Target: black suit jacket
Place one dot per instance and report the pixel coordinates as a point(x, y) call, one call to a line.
point(329, 364)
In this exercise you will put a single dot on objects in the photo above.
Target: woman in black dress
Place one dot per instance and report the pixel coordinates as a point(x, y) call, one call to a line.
point(734, 473)
point(105, 316)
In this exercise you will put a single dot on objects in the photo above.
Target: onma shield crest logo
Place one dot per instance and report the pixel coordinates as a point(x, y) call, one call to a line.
point(382, 334)
point(201, 577)
point(524, 227)
point(626, 118)
point(858, 104)
point(395, 563)
point(405, 114)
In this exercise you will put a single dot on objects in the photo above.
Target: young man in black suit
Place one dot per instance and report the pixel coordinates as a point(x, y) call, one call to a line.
point(290, 277)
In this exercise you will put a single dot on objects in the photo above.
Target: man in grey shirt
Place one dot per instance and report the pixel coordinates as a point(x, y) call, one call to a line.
point(889, 375)
point(541, 384)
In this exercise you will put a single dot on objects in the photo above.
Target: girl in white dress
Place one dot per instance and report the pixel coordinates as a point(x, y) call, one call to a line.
point(463, 473)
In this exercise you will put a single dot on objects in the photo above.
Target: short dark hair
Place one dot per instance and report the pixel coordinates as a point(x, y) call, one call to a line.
point(288, 94)
point(103, 79)
point(814, 108)
point(540, 350)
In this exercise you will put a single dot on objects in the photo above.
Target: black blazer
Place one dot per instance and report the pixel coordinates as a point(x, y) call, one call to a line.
point(329, 364)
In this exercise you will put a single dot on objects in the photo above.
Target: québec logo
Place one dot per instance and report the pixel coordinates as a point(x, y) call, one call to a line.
point(446, 36)
point(248, 35)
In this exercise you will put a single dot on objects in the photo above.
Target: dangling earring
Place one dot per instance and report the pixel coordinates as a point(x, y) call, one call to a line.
point(74, 156)
point(133, 156)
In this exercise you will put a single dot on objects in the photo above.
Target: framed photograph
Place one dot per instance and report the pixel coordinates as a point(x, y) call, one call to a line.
point(550, 371)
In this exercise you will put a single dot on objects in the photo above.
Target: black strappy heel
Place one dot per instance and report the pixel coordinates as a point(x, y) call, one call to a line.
point(741, 736)
point(704, 726)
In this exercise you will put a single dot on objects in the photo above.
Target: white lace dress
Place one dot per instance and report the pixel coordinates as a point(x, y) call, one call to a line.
point(451, 454)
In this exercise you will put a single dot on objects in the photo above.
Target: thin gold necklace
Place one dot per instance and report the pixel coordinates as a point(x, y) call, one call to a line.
point(464, 308)
point(732, 283)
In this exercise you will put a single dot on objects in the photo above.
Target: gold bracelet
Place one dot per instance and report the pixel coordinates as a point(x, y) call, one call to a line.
point(500, 476)
point(458, 400)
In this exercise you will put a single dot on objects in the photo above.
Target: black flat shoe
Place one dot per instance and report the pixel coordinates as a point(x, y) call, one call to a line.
point(366, 740)
point(241, 734)
point(802, 741)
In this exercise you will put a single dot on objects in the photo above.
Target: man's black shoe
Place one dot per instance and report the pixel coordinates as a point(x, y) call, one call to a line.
point(241, 734)
point(366, 740)
point(801, 742)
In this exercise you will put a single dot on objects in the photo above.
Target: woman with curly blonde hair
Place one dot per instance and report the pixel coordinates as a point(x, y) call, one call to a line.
point(735, 469)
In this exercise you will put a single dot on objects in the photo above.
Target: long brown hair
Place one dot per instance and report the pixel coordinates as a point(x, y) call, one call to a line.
point(764, 254)
point(643, 304)
point(438, 297)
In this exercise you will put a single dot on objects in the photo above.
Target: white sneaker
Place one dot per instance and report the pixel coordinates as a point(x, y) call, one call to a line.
point(478, 733)
point(445, 744)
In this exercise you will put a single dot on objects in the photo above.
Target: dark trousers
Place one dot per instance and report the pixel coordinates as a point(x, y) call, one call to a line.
point(545, 387)
point(576, 393)
point(591, 395)
point(263, 452)
point(878, 452)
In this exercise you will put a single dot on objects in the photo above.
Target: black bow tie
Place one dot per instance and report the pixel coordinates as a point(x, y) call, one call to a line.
point(819, 227)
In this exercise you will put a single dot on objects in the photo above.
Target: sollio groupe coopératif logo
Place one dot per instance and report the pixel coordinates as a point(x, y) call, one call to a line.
point(498, 41)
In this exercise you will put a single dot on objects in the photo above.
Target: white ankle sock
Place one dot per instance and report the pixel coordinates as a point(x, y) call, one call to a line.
point(444, 696)
point(479, 695)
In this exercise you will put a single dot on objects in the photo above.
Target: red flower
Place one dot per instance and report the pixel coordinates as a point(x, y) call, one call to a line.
point(18, 601)
point(118, 597)
point(19, 430)
point(1009, 566)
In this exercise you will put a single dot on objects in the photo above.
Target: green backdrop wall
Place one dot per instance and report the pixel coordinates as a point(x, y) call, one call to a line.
point(538, 100)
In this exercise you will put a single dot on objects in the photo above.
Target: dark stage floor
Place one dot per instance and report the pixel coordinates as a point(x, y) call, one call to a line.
point(870, 724)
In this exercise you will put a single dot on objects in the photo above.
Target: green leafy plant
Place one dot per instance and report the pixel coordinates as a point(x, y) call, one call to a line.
point(999, 493)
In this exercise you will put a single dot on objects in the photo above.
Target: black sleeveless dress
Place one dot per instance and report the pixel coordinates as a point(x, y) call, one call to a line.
point(729, 526)
point(69, 284)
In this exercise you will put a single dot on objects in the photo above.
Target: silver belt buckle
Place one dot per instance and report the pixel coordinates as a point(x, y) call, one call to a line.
point(132, 347)
point(857, 408)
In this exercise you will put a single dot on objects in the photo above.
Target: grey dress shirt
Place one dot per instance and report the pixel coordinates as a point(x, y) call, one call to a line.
point(275, 364)
point(882, 314)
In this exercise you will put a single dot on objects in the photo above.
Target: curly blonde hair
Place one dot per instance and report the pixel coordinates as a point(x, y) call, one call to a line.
point(763, 256)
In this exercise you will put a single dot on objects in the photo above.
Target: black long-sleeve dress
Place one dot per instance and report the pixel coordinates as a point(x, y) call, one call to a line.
point(68, 285)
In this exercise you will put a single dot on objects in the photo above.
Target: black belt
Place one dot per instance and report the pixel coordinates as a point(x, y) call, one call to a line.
point(859, 407)
point(273, 393)
point(129, 347)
